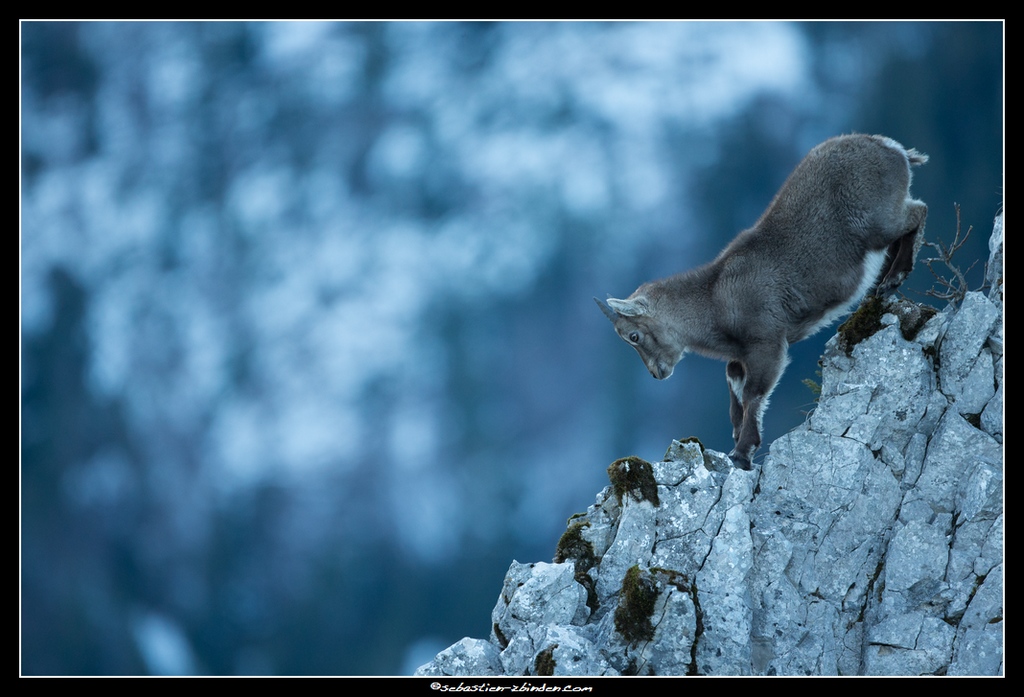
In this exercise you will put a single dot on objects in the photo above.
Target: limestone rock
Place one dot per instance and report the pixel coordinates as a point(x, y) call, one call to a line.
point(868, 541)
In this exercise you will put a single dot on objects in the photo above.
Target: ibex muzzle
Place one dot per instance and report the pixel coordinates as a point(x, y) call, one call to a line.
point(842, 224)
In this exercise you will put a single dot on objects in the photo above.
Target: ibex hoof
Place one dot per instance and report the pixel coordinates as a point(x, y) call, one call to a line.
point(889, 285)
point(740, 461)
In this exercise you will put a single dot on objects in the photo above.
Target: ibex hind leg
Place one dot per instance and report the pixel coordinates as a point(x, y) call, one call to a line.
point(902, 253)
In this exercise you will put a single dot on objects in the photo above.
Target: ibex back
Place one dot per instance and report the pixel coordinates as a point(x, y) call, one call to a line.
point(842, 224)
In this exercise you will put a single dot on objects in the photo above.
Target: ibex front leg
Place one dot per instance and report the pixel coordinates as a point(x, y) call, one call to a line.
point(758, 374)
point(735, 376)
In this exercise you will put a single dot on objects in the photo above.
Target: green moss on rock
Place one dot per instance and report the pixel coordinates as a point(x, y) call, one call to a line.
point(636, 606)
point(632, 474)
point(544, 664)
point(865, 322)
point(500, 636)
point(573, 545)
point(674, 450)
point(693, 439)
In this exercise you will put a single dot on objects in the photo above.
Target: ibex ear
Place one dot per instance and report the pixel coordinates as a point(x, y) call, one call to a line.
point(630, 308)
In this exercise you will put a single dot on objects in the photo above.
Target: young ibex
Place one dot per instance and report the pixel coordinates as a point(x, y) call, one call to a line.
point(842, 224)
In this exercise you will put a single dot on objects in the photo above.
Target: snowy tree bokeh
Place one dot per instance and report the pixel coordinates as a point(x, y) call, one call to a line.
point(308, 350)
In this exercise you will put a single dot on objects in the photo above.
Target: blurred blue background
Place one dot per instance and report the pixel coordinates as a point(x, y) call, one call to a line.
point(308, 350)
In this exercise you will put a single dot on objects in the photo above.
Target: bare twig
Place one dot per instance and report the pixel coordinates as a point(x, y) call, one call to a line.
point(952, 290)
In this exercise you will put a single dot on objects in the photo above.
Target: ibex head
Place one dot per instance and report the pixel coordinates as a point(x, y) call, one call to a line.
point(640, 327)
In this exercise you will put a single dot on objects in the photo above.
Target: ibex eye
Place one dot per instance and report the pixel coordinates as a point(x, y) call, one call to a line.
point(634, 337)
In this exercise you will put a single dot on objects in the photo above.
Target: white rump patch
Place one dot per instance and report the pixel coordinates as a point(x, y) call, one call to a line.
point(869, 274)
point(872, 267)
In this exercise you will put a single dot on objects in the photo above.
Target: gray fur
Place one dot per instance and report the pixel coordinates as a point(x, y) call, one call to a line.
point(842, 224)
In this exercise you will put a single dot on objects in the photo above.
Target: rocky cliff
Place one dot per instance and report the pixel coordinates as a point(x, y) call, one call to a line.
point(868, 542)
